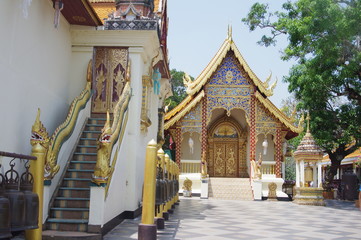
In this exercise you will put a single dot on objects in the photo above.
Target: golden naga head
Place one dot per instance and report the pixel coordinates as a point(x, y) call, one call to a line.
point(187, 81)
point(39, 133)
point(106, 131)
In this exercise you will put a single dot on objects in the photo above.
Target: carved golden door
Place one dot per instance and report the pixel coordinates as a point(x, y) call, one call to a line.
point(224, 149)
point(225, 158)
point(109, 77)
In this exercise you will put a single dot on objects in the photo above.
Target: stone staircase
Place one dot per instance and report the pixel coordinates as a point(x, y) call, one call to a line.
point(230, 189)
point(70, 210)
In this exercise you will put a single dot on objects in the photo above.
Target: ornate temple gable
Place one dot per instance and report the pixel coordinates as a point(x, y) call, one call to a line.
point(228, 82)
point(192, 121)
point(229, 73)
point(182, 109)
point(266, 123)
point(282, 118)
point(228, 88)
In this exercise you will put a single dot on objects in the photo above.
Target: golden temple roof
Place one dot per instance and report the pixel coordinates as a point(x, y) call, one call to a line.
point(103, 8)
point(227, 45)
point(278, 114)
point(182, 109)
point(194, 87)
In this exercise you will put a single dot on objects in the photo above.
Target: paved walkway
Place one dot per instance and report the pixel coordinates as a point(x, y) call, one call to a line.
point(228, 219)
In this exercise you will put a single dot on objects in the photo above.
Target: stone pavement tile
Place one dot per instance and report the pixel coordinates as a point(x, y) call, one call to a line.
point(229, 219)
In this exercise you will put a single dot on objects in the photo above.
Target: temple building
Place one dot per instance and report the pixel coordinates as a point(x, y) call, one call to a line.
point(228, 121)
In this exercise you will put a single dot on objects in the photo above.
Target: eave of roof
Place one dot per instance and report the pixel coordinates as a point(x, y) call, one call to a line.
point(188, 104)
point(80, 12)
point(278, 114)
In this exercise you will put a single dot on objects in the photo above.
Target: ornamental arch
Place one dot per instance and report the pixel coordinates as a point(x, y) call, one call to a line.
point(227, 148)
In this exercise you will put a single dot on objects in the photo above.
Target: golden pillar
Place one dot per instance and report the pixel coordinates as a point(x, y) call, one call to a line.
point(160, 155)
point(167, 166)
point(149, 183)
point(37, 170)
point(39, 150)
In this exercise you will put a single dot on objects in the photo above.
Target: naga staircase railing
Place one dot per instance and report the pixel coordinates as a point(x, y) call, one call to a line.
point(53, 144)
point(110, 135)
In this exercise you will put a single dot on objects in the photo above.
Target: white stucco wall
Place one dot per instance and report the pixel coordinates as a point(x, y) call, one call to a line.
point(35, 62)
point(270, 149)
point(125, 192)
point(185, 148)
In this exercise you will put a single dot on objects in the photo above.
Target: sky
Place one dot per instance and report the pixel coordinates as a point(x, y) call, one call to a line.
point(197, 29)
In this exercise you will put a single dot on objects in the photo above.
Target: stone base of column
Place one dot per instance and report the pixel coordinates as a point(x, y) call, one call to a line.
point(159, 222)
point(147, 232)
point(166, 216)
point(171, 211)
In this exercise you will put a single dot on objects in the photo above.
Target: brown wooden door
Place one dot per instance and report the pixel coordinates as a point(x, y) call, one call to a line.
point(225, 159)
point(109, 77)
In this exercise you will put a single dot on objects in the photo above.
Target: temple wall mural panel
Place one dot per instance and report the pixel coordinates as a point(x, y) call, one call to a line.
point(109, 77)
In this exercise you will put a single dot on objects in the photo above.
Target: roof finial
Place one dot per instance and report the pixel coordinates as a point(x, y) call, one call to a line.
point(308, 122)
point(229, 32)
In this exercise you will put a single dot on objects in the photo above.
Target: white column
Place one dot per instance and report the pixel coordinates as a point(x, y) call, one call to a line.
point(319, 175)
point(302, 169)
point(297, 173)
point(314, 171)
point(134, 170)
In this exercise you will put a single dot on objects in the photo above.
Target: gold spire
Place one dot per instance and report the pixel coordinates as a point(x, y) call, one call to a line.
point(229, 32)
point(308, 122)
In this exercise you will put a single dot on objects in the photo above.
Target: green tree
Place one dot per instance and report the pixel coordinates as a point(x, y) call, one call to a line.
point(289, 107)
point(178, 88)
point(324, 36)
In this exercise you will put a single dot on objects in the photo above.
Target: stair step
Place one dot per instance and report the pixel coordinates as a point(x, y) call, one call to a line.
point(85, 162)
point(69, 209)
point(89, 154)
point(77, 179)
point(102, 119)
point(230, 188)
point(74, 188)
point(87, 146)
point(89, 139)
point(59, 220)
point(72, 199)
point(81, 170)
point(94, 125)
point(91, 131)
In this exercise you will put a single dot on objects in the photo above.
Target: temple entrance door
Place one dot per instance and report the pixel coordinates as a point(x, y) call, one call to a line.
point(226, 149)
point(109, 77)
point(225, 158)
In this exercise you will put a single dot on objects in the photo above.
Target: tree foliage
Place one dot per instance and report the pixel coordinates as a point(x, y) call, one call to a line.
point(324, 36)
point(178, 88)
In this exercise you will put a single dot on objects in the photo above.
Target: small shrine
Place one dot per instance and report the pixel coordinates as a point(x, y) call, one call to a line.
point(308, 158)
